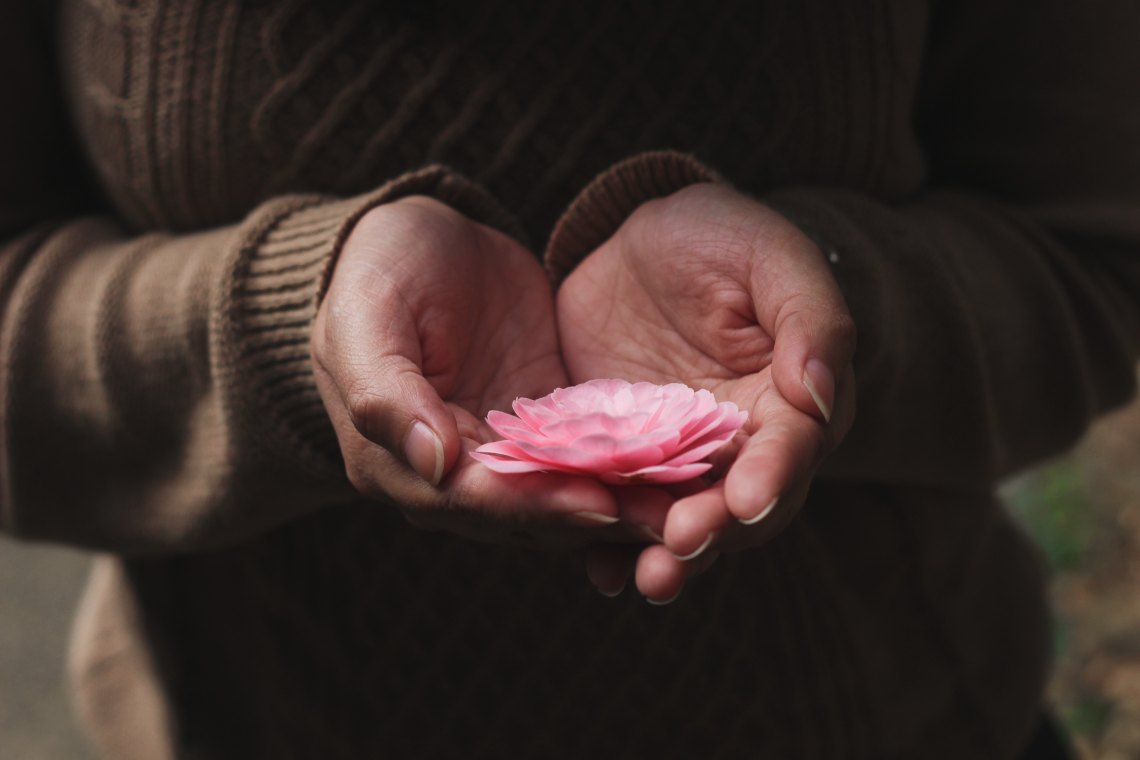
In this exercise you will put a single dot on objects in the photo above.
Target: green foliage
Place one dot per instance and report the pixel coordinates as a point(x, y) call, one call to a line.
point(1088, 717)
point(1052, 503)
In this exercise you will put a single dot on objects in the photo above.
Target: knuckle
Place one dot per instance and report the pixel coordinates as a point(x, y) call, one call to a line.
point(360, 478)
point(366, 411)
point(464, 499)
point(842, 329)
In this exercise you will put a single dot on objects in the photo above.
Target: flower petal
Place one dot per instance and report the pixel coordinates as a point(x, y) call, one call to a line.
point(595, 454)
point(570, 429)
point(658, 474)
point(535, 413)
point(508, 466)
point(725, 416)
point(677, 411)
point(615, 430)
point(699, 451)
point(510, 426)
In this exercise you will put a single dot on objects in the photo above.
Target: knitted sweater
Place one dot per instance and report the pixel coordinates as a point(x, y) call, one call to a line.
point(176, 177)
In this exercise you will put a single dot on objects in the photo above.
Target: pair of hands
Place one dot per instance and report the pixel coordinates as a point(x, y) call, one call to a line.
point(431, 320)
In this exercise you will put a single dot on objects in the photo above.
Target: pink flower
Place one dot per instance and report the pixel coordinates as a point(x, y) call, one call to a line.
point(616, 431)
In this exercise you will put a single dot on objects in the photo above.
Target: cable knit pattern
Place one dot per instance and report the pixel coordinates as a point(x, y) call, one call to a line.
point(531, 102)
point(154, 327)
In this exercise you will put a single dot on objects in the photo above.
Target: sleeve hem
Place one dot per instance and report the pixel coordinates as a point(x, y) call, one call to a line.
point(604, 205)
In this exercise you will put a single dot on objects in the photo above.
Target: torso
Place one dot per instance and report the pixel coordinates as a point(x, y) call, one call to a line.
point(194, 111)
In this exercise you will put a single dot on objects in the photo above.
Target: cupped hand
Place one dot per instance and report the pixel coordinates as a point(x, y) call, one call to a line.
point(713, 289)
point(430, 321)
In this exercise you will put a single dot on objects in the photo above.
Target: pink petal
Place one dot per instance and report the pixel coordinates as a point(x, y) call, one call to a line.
point(647, 395)
point(618, 431)
point(658, 474)
point(510, 426)
point(510, 456)
point(535, 413)
point(595, 454)
point(725, 417)
point(698, 452)
point(603, 387)
point(589, 454)
point(508, 466)
point(509, 449)
point(676, 412)
point(599, 423)
point(622, 402)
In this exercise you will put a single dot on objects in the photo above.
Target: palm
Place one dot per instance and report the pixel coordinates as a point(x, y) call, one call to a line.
point(498, 339)
point(664, 325)
point(492, 339)
point(709, 288)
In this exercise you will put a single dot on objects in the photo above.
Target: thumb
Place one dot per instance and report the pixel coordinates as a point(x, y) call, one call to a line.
point(813, 332)
point(813, 349)
point(398, 409)
point(369, 351)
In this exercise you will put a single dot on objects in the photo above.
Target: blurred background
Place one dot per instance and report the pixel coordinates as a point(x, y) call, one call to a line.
point(39, 589)
point(1084, 510)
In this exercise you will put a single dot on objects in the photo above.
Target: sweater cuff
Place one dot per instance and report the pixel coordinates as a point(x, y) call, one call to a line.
point(282, 271)
point(604, 205)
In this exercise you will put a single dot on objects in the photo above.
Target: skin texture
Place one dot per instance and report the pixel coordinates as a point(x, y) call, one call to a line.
point(713, 289)
point(431, 320)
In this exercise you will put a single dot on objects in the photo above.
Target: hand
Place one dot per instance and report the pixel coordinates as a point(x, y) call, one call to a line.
point(718, 291)
point(430, 321)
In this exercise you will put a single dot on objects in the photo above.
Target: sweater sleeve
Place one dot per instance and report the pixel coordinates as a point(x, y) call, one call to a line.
point(998, 308)
point(156, 393)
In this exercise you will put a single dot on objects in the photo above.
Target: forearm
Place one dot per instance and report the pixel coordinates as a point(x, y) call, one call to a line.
point(158, 393)
point(127, 366)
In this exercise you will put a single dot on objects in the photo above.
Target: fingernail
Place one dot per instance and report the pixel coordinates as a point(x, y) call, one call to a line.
point(700, 549)
point(763, 513)
point(592, 519)
point(821, 385)
point(663, 602)
point(424, 451)
point(649, 534)
point(613, 593)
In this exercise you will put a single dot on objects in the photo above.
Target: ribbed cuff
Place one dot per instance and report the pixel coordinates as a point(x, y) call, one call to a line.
point(281, 273)
point(604, 205)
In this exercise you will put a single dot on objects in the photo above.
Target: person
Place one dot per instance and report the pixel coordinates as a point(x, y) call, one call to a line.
point(267, 265)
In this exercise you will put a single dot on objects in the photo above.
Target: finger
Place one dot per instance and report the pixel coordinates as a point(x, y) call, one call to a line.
point(368, 345)
point(783, 453)
point(695, 522)
point(609, 567)
point(796, 296)
point(660, 577)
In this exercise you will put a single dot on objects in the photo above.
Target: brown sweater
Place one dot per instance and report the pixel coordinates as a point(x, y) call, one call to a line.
point(176, 177)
